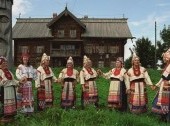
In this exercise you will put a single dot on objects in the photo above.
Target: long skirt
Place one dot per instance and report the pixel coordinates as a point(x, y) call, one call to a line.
point(8, 101)
point(68, 96)
point(161, 104)
point(138, 97)
point(27, 100)
point(90, 95)
point(117, 97)
point(45, 95)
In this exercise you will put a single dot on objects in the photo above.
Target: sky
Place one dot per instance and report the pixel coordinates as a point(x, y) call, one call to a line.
point(141, 14)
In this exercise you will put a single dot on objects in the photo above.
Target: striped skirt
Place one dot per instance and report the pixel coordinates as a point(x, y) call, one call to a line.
point(27, 100)
point(8, 101)
point(117, 97)
point(68, 95)
point(138, 97)
point(90, 95)
point(45, 95)
point(161, 103)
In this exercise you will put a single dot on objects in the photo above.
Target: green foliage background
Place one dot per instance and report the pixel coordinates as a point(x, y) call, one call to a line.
point(90, 116)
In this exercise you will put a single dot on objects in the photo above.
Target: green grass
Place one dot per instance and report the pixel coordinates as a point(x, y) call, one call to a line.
point(90, 116)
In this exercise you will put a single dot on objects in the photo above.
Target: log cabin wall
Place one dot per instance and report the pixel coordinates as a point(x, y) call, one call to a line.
point(35, 48)
point(103, 52)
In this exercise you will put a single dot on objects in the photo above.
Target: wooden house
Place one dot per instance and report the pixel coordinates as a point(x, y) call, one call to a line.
point(64, 35)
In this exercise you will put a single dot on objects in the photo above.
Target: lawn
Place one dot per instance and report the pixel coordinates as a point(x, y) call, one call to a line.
point(91, 116)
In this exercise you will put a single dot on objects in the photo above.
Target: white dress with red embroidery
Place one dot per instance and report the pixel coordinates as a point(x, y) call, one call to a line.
point(87, 78)
point(7, 92)
point(138, 79)
point(25, 90)
point(117, 92)
point(45, 78)
point(69, 77)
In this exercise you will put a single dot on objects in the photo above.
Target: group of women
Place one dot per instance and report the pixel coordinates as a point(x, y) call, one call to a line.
point(125, 86)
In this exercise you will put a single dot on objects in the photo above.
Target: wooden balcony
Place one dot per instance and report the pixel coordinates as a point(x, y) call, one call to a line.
point(65, 53)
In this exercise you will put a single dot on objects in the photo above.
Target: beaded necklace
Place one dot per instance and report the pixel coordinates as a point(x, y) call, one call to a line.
point(136, 71)
point(117, 71)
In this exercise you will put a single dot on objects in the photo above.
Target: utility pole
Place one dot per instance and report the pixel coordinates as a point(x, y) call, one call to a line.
point(155, 43)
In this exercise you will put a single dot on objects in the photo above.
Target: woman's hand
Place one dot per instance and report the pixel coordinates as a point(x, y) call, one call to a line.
point(99, 72)
point(128, 91)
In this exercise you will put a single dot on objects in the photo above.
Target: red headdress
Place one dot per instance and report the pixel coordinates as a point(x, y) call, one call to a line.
point(2, 59)
point(25, 55)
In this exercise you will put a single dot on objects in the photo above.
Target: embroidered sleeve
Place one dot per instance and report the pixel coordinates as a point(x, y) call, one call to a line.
point(54, 77)
point(18, 73)
point(147, 78)
point(82, 81)
point(35, 74)
point(77, 76)
point(61, 74)
point(38, 80)
point(127, 81)
point(159, 83)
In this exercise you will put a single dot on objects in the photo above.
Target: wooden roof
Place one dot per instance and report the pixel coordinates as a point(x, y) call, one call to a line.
point(65, 12)
point(110, 28)
point(94, 27)
point(31, 28)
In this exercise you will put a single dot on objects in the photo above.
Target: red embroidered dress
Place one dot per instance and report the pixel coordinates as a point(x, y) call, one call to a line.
point(117, 97)
point(7, 87)
point(45, 78)
point(87, 78)
point(25, 98)
point(138, 78)
point(69, 77)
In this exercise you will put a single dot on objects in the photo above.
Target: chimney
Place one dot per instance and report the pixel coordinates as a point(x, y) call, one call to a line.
point(54, 15)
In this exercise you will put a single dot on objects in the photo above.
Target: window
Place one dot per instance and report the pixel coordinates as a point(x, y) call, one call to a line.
point(113, 49)
point(60, 33)
point(67, 47)
point(73, 33)
point(101, 64)
point(100, 49)
point(40, 49)
point(88, 48)
point(23, 49)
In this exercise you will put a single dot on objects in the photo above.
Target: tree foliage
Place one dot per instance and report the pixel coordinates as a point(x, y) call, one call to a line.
point(163, 45)
point(146, 51)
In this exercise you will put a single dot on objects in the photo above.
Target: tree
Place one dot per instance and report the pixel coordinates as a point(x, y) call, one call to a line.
point(128, 63)
point(146, 51)
point(165, 43)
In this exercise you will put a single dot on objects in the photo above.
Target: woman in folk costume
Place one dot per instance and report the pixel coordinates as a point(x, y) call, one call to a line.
point(161, 103)
point(45, 78)
point(7, 92)
point(138, 78)
point(117, 97)
point(87, 80)
point(68, 78)
point(26, 72)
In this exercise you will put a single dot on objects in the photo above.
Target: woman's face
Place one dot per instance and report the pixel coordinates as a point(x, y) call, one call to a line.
point(118, 64)
point(4, 65)
point(69, 65)
point(136, 62)
point(89, 63)
point(25, 60)
point(46, 62)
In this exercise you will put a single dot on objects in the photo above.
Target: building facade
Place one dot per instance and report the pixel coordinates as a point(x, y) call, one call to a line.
point(64, 35)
